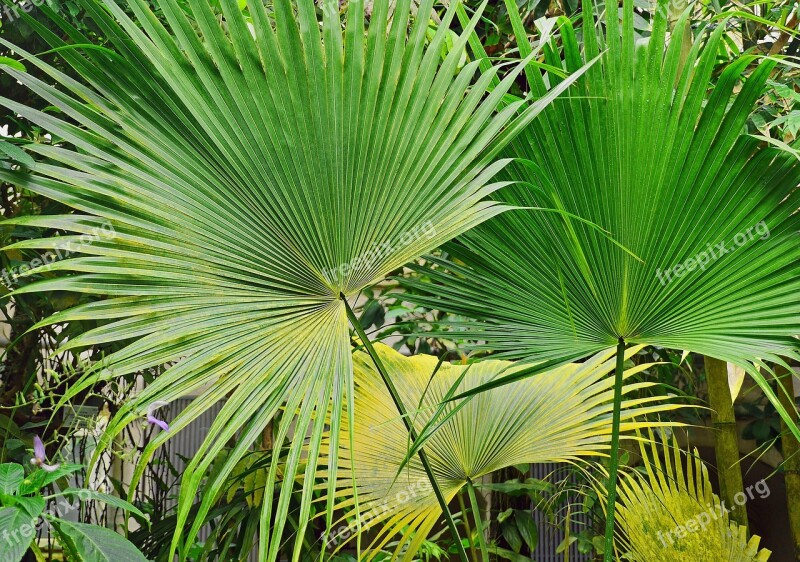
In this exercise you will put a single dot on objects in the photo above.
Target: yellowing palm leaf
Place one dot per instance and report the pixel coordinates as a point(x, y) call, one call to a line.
point(669, 513)
point(250, 171)
point(563, 415)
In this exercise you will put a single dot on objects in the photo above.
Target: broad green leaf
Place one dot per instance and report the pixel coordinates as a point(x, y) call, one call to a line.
point(599, 544)
point(92, 543)
point(32, 507)
point(793, 122)
point(783, 90)
point(527, 528)
point(15, 64)
point(17, 529)
point(11, 477)
point(511, 535)
point(41, 478)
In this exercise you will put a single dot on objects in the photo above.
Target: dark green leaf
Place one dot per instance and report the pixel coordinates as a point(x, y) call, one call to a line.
point(511, 535)
point(90, 543)
point(515, 488)
point(506, 554)
point(17, 529)
point(373, 313)
point(527, 528)
point(11, 477)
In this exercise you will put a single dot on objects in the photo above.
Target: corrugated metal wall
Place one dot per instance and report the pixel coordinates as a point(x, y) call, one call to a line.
point(186, 444)
point(550, 537)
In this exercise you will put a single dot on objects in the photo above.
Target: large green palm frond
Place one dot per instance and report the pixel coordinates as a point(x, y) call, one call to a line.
point(640, 148)
point(234, 178)
point(562, 415)
point(668, 512)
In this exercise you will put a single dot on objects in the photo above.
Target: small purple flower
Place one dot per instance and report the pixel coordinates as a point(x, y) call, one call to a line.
point(40, 457)
point(152, 420)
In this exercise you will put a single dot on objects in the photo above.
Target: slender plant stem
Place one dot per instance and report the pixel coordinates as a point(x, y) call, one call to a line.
point(608, 554)
point(465, 522)
point(37, 552)
point(476, 516)
point(451, 525)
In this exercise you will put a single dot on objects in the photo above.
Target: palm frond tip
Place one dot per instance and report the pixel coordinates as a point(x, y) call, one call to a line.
point(668, 512)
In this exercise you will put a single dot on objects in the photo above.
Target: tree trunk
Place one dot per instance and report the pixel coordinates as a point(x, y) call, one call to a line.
point(791, 453)
point(726, 437)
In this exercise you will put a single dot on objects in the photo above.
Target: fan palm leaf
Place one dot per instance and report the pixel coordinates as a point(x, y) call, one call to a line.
point(562, 415)
point(235, 179)
point(668, 512)
point(707, 211)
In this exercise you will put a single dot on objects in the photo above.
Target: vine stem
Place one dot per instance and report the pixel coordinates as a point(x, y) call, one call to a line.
point(608, 551)
point(451, 525)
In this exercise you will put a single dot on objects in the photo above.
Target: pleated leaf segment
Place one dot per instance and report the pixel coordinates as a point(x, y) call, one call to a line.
point(561, 415)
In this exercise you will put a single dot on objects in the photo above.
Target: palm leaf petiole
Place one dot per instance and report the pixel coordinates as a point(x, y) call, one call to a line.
point(608, 551)
point(467, 526)
point(476, 515)
point(451, 525)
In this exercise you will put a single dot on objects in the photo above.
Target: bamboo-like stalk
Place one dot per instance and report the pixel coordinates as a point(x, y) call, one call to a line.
point(608, 551)
point(465, 523)
point(791, 455)
point(726, 437)
point(476, 516)
point(451, 525)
